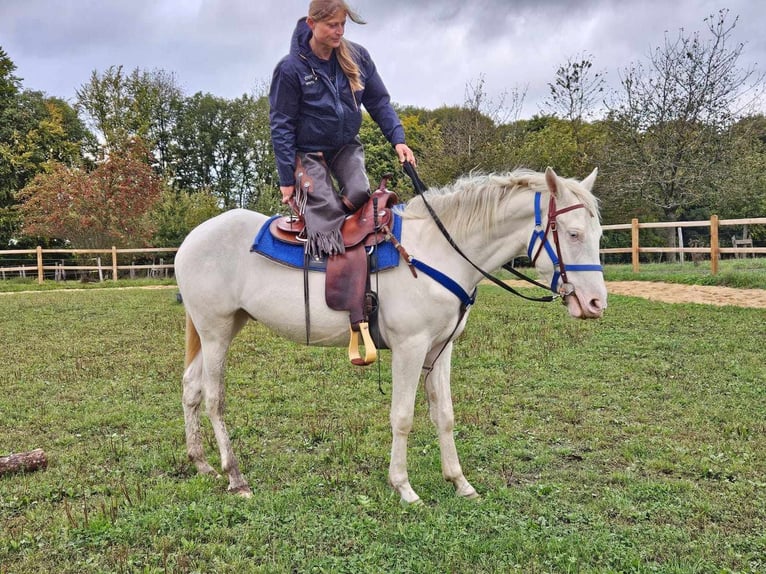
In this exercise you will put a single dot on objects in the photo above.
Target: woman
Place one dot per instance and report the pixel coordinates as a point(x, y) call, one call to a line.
point(315, 116)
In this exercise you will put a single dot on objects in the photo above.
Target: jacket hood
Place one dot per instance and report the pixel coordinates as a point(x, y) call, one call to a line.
point(300, 41)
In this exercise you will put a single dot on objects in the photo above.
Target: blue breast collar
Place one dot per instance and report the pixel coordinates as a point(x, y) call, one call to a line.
point(449, 284)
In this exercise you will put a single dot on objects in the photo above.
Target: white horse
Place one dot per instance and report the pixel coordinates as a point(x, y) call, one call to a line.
point(491, 219)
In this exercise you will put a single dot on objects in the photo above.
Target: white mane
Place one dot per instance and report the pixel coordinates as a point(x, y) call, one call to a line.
point(477, 197)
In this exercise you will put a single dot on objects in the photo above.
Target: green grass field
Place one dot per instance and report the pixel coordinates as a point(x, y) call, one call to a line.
point(630, 444)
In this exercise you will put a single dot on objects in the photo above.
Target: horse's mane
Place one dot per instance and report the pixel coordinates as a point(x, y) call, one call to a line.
point(477, 197)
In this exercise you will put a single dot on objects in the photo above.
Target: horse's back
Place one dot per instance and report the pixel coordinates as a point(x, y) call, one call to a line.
point(214, 252)
point(231, 228)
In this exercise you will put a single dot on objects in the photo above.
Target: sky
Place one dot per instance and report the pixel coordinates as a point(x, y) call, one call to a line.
point(430, 53)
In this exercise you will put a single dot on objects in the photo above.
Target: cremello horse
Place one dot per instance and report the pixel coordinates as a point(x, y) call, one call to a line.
point(491, 218)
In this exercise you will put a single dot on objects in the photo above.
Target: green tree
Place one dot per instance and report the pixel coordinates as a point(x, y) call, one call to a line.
point(224, 146)
point(120, 107)
point(177, 213)
point(742, 192)
point(34, 129)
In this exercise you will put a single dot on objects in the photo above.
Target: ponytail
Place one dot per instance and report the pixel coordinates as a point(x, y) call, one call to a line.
point(346, 53)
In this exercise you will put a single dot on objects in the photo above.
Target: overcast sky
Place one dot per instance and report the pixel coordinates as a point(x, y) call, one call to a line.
point(427, 51)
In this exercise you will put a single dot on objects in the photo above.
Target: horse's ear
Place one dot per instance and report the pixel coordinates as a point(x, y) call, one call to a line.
point(588, 182)
point(551, 179)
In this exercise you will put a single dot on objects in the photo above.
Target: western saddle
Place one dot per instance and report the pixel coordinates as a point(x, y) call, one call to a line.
point(347, 279)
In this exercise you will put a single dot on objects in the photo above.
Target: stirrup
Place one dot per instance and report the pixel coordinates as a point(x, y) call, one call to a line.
point(370, 352)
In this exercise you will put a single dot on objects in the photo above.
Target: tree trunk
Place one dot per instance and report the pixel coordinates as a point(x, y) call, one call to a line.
point(23, 462)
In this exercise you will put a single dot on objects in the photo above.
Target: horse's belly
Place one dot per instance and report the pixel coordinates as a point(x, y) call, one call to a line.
point(275, 297)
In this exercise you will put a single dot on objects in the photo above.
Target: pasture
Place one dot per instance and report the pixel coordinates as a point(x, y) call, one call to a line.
point(630, 444)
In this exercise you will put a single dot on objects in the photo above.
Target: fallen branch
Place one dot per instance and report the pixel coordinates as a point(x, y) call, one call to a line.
point(23, 462)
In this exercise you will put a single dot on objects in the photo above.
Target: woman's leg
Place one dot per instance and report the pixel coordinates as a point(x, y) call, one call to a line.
point(324, 211)
point(347, 165)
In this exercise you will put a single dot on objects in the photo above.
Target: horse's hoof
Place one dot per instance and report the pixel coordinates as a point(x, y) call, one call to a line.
point(243, 491)
point(468, 492)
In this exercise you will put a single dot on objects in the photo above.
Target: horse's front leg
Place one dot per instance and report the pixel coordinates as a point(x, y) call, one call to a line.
point(406, 364)
point(437, 385)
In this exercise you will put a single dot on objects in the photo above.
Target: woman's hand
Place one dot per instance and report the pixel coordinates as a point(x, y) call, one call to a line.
point(405, 154)
point(287, 192)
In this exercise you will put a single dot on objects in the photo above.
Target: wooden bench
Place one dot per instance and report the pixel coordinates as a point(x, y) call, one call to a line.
point(742, 243)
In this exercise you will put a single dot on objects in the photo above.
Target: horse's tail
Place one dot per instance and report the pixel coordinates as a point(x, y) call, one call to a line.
point(193, 343)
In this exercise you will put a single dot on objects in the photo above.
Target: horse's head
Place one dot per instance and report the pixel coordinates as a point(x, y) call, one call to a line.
point(565, 244)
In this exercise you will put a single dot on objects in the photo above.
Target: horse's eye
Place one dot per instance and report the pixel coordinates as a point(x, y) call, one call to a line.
point(574, 235)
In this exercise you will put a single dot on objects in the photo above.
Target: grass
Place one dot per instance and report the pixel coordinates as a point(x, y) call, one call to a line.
point(630, 444)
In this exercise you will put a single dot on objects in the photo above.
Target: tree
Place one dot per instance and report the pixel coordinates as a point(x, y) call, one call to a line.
point(97, 209)
point(177, 213)
point(224, 146)
point(741, 193)
point(670, 134)
point(120, 108)
point(10, 84)
point(575, 91)
point(34, 129)
point(573, 97)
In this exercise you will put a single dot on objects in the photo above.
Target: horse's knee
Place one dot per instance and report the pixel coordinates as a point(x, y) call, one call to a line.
point(401, 424)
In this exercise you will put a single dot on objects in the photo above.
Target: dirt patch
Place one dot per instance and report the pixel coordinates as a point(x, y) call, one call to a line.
point(675, 293)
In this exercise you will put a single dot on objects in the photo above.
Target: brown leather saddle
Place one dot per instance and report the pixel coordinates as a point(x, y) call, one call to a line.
point(361, 226)
point(347, 280)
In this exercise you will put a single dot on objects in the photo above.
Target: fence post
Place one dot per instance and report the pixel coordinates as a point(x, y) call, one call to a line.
point(40, 276)
point(634, 243)
point(114, 263)
point(714, 247)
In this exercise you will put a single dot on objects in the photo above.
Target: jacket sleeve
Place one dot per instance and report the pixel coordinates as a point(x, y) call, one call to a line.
point(377, 102)
point(284, 104)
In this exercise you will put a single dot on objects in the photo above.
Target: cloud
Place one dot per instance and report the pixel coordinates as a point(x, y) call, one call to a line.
point(427, 51)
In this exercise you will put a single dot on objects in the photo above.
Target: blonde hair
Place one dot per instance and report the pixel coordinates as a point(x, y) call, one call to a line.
point(321, 10)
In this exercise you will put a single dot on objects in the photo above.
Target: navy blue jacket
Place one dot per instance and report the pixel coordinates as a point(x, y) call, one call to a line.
point(312, 111)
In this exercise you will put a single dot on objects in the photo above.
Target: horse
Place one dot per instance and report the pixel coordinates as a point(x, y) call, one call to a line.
point(485, 221)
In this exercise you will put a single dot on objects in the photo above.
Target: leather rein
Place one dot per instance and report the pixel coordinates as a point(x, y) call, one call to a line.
point(539, 234)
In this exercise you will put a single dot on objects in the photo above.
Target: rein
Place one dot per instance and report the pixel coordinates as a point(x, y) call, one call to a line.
point(419, 189)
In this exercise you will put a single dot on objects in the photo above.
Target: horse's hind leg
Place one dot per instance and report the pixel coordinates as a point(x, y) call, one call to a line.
point(192, 397)
point(437, 386)
point(193, 393)
point(209, 384)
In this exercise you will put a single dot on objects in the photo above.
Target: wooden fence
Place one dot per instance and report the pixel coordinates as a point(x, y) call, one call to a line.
point(714, 250)
point(161, 268)
point(58, 270)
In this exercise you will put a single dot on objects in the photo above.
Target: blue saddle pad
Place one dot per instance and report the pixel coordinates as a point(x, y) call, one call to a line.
point(292, 255)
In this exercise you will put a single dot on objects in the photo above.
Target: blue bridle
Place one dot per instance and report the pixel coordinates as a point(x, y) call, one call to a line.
point(540, 236)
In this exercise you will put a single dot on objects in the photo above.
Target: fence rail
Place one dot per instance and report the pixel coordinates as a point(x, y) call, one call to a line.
point(59, 270)
point(739, 247)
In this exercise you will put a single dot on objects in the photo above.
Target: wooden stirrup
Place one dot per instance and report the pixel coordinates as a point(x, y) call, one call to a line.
point(370, 352)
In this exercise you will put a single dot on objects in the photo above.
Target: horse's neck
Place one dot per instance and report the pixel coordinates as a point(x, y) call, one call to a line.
point(489, 244)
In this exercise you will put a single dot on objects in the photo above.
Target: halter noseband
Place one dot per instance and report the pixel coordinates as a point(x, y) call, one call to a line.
point(541, 235)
